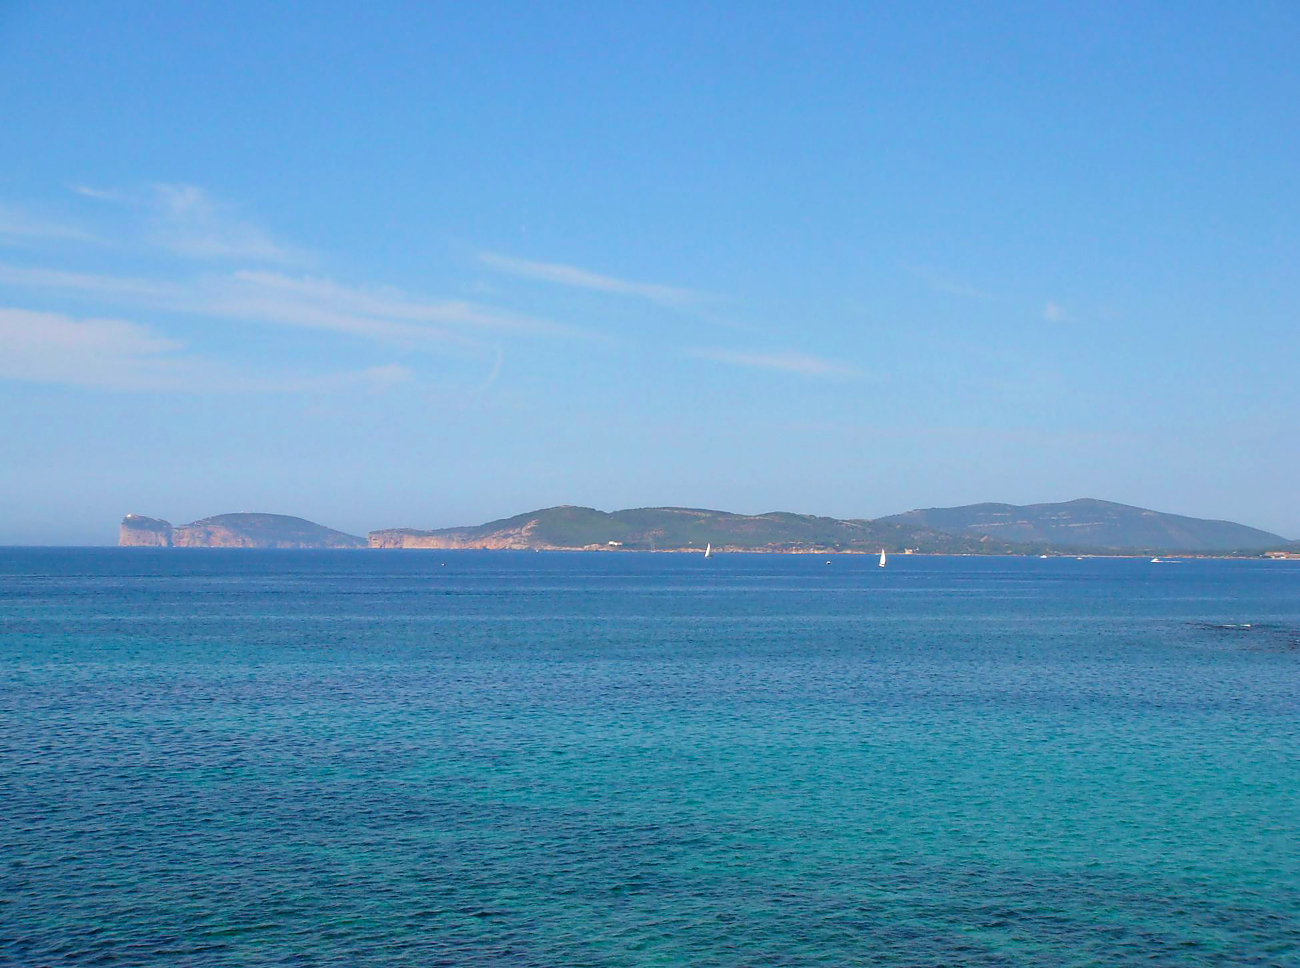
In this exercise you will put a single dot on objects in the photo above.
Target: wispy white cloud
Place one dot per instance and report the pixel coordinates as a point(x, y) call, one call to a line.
point(377, 379)
point(190, 222)
point(256, 296)
point(225, 269)
point(397, 311)
point(945, 284)
point(579, 278)
point(32, 277)
point(786, 361)
point(19, 226)
point(112, 354)
point(494, 373)
point(101, 194)
point(229, 269)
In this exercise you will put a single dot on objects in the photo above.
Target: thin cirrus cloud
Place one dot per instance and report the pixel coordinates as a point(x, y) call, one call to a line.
point(112, 354)
point(188, 222)
point(1055, 313)
point(784, 361)
point(942, 283)
point(289, 298)
point(101, 194)
point(97, 284)
point(383, 315)
point(574, 276)
point(106, 350)
point(17, 226)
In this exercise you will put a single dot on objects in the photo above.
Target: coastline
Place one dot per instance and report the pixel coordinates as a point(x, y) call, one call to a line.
point(1170, 554)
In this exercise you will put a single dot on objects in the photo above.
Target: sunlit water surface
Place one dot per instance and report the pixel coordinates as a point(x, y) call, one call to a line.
point(217, 757)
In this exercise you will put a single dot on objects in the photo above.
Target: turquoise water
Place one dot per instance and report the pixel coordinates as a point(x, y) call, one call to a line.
point(219, 757)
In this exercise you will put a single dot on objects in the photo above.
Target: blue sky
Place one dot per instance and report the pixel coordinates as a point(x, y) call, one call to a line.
point(426, 265)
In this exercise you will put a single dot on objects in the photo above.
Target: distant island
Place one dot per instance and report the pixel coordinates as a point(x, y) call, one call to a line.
point(1082, 526)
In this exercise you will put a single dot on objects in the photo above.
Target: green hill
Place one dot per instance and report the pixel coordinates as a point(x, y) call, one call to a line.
point(1088, 523)
point(242, 530)
point(569, 526)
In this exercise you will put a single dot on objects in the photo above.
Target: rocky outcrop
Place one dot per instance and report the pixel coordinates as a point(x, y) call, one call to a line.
point(139, 530)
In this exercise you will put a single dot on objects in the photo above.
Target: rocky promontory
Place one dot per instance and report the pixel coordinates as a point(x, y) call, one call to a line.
point(139, 530)
point(242, 530)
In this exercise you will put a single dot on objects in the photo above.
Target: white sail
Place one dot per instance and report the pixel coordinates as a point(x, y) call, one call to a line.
point(708, 550)
point(882, 558)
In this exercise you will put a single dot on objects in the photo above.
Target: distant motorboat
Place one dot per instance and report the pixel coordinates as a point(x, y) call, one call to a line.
point(1042, 556)
point(708, 550)
point(881, 563)
point(1156, 561)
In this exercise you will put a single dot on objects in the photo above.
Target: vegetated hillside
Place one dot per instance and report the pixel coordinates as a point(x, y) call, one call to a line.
point(1092, 524)
point(663, 529)
point(242, 530)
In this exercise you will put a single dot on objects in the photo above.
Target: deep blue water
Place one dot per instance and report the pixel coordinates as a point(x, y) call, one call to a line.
point(218, 757)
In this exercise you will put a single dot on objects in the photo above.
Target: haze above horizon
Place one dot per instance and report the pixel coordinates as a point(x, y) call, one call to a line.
point(435, 265)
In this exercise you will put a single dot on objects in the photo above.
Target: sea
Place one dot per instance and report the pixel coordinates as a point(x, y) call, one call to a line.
point(240, 757)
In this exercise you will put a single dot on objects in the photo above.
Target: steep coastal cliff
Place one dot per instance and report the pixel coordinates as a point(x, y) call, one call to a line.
point(454, 538)
point(235, 531)
point(139, 530)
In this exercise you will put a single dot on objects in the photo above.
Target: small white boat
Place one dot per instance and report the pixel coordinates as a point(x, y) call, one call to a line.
point(1042, 556)
point(881, 563)
point(1156, 560)
point(708, 550)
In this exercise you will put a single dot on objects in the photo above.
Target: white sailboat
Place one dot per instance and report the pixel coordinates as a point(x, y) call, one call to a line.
point(881, 563)
point(708, 550)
